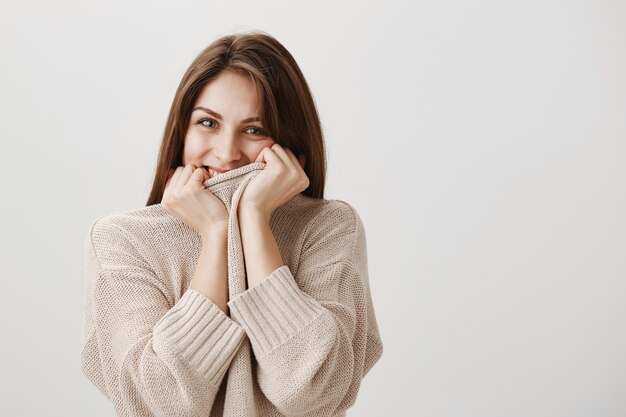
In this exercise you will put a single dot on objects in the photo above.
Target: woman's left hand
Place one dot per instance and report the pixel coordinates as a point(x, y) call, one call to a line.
point(280, 180)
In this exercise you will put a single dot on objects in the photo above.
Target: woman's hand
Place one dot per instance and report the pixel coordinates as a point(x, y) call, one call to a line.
point(281, 179)
point(186, 199)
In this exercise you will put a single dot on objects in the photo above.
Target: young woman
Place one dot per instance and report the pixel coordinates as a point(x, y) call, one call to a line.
point(238, 290)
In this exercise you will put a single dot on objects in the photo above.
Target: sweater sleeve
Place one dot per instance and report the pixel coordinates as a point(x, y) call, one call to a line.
point(145, 353)
point(314, 334)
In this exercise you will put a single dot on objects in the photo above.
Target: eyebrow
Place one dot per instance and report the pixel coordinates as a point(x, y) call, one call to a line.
point(219, 116)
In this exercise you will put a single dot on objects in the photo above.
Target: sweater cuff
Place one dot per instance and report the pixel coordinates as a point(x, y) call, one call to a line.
point(273, 311)
point(201, 333)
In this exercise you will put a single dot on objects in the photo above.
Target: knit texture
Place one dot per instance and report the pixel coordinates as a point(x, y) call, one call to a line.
point(297, 344)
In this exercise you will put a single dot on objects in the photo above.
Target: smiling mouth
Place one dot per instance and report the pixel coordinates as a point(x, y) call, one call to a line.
point(212, 173)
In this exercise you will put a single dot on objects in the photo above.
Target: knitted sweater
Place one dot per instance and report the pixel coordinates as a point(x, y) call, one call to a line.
point(297, 344)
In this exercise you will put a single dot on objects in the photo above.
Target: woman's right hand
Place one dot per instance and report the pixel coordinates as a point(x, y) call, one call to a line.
point(186, 199)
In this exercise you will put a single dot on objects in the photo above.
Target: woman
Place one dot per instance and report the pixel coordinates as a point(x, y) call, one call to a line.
point(238, 289)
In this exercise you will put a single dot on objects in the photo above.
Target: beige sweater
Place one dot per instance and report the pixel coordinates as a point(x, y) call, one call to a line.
point(298, 344)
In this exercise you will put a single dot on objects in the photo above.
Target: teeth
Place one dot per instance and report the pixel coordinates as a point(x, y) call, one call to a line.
point(211, 172)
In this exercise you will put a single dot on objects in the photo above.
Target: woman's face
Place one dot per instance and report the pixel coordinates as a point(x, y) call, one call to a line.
point(225, 131)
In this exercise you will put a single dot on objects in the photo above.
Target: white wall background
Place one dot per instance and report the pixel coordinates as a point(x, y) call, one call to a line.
point(483, 143)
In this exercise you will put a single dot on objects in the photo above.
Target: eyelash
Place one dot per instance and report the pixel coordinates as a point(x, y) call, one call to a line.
point(261, 131)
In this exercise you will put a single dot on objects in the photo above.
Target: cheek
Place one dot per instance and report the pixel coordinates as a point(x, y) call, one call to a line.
point(255, 149)
point(194, 145)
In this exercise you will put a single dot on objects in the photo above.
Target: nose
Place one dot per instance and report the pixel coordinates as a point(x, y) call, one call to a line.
point(227, 148)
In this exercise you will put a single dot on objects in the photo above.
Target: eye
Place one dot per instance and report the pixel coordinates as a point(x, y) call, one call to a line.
point(201, 122)
point(253, 130)
point(258, 130)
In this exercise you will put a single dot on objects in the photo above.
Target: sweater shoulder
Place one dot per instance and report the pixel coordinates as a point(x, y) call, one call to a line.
point(127, 237)
point(319, 211)
point(333, 233)
point(129, 223)
point(336, 218)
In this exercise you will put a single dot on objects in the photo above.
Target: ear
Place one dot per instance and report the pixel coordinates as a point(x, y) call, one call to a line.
point(302, 160)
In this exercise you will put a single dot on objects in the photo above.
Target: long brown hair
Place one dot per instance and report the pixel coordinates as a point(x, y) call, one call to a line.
point(288, 111)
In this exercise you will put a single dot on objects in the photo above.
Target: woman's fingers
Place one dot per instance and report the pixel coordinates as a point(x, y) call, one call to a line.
point(186, 174)
point(183, 177)
point(277, 153)
point(283, 155)
point(261, 156)
point(170, 174)
point(174, 181)
point(198, 176)
point(294, 159)
point(178, 179)
point(302, 160)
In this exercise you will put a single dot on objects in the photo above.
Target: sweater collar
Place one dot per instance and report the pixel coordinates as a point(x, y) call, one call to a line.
point(229, 185)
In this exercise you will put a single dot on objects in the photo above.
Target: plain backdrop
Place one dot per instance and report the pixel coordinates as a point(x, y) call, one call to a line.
point(483, 143)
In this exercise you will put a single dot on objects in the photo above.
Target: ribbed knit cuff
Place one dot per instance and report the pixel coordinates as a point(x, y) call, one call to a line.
point(274, 311)
point(200, 332)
